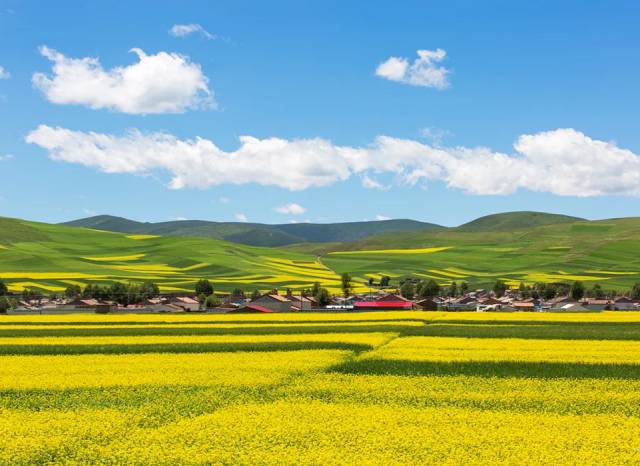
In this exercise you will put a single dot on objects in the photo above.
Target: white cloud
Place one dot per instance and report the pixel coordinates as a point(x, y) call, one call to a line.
point(4, 158)
point(4, 74)
point(179, 218)
point(242, 218)
point(564, 161)
point(423, 72)
point(224, 200)
point(160, 83)
point(183, 30)
point(292, 209)
point(382, 217)
point(370, 183)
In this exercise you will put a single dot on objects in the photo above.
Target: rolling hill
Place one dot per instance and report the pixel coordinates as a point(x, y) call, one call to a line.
point(254, 234)
point(50, 257)
point(516, 220)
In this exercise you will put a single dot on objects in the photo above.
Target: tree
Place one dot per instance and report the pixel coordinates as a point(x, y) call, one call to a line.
point(236, 293)
point(428, 289)
point(204, 286)
point(73, 291)
point(212, 301)
point(3, 288)
point(549, 292)
point(464, 287)
point(322, 297)
point(5, 304)
point(148, 290)
point(499, 288)
point(597, 291)
point(315, 289)
point(635, 291)
point(453, 289)
point(407, 290)
point(577, 290)
point(384, 281)
point(255, 294)
point(346, 284)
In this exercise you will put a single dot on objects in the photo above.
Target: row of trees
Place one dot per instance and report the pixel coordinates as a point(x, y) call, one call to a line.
point(124, 294)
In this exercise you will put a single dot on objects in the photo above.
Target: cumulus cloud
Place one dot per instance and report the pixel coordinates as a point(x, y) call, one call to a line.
point(4, 74)
point(242, 218)
point(183, 30)
point(380, 217)
point(565, 162)
point(292, 209)
point(160, 83)
point(424, 71)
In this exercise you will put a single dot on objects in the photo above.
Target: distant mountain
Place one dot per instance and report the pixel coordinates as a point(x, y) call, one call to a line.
point(255, 234)
point(516, 221)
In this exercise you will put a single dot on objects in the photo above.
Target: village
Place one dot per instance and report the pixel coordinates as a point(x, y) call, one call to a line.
point(276, 301)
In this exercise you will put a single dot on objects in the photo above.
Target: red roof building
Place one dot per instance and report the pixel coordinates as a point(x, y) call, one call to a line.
point(251, 309)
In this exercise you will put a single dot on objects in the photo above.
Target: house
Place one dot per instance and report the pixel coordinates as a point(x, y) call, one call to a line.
point(168, 308)
point(428, 304)
point(382, 305)
point(251, 308)
point(273, 301)
point(391, 297)
point(523, 305)
point(185, 302)
point(623, 304)
point(569, 307)
point(596, 304)
point(465, 303)
point(301, 302)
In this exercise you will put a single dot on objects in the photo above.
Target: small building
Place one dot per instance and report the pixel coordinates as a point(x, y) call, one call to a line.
point(250, 308)
point(392, 297)
point(185, 302)
point(523, 305)
point(275, 302)
point(383, 305)
point(623, 304)
point(596, 304)
point(428, 304)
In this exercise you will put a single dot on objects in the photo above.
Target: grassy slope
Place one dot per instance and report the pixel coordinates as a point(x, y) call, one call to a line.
point(516, 220)
point(606, 251)
point(254, 234)
point(54, 256)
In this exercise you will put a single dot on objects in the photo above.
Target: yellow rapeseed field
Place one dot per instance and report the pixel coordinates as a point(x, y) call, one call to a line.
point(335, 388)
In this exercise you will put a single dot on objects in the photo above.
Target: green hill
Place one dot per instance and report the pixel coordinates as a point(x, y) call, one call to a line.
point(254, 234)
point(50, 257)
point(516, 220)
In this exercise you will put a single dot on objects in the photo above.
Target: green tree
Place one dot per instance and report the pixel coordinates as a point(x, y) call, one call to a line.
point(549, 291)
point(499, 288)
point(597, 291)
point(577, 290)
point(204, 286)
point(72, 291)
point(407, 289)
point(148, 290)
point(384, 281)
point(322, 297)
point(315, 289)
point(212, 301)
point(428, 289)
point(3, 288)
point(255, 294)
point(464, 287)
point(635, 291)
point(346, 284)
point(453, 289)
point(5, 304)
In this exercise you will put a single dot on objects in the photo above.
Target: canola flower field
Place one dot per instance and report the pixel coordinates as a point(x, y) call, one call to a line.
point(359, 388)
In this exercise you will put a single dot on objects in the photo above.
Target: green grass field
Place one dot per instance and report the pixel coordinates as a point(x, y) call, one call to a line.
point(50, 257)
point(362, 388)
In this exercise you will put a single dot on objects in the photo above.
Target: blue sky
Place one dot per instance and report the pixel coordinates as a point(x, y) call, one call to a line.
point(560, 78)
